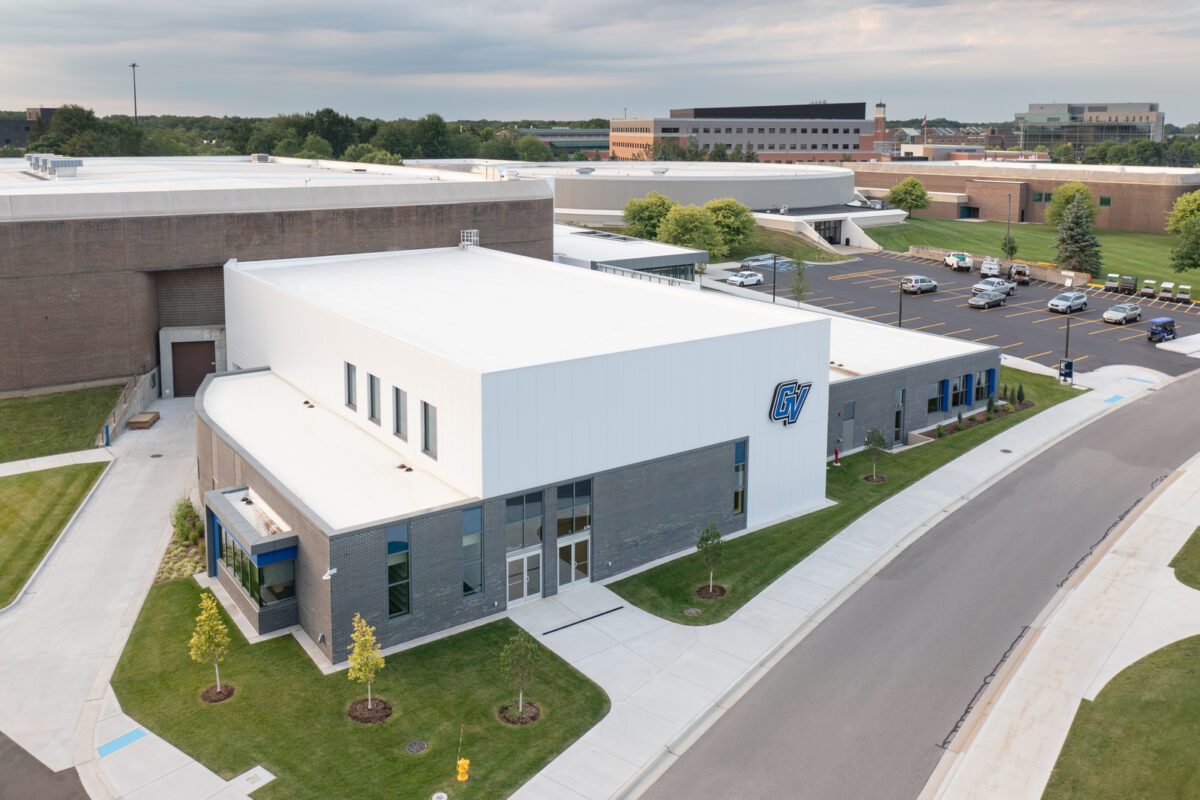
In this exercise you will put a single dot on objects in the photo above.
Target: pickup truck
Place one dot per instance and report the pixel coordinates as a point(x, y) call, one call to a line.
point(990, 267)
point(1007, 288)
point(959, 261)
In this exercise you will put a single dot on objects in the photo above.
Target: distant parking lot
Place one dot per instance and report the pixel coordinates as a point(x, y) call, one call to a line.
point(870, 288)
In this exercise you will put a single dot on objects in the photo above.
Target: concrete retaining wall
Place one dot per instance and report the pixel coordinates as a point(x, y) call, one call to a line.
point(1038, 272)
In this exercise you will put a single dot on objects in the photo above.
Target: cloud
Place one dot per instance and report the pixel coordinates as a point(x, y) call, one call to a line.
point(554, 59)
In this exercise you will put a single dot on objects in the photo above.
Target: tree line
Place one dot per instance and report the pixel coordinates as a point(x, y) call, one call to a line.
point(76, 131)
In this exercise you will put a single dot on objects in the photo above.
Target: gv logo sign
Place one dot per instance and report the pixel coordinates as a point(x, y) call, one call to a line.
point(788, 401)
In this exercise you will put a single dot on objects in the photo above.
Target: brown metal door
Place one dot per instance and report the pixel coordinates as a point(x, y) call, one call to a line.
point(192, 361)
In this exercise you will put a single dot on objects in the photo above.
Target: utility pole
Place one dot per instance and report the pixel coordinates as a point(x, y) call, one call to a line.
point(1067, 345)
point(134, 67)
point(900, 313)
point(1008, 227)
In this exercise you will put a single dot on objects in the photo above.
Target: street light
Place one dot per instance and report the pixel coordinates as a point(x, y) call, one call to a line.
point(900, 312)
point(1008, 231)
point(774, 274)
point(133, 67)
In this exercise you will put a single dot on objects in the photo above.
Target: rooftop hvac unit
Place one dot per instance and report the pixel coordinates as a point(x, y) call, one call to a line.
point(659, 171)
point(584, 170)
point(260, 158)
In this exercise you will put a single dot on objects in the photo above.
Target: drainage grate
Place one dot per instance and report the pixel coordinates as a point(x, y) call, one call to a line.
point(415, 747)
point(1005, 450)
point(692, 612)
point(156, 455)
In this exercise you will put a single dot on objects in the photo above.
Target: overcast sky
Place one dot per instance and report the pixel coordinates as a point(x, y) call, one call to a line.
point(558, 59)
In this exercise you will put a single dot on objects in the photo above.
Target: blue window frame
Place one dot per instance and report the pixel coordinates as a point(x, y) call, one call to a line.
point(739, 477)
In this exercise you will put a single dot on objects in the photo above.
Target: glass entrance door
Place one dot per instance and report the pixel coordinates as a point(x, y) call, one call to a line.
point(524, 577)
point(574, 565)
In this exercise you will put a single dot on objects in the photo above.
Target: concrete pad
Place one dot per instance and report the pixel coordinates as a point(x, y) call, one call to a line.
point(771, 615)
point(798, 591)
point(1000, 777)
point(542, 787)
point(632, 733)
point(1066, 660)
point(737, 638)
point(618, 670)
point(628, 623)
point(664, 645)
point(844, 550)
point(249, 781)
point(189, 782)
point(542, 615)
point(578, 642)
point(142, 763)
point(590, 771)
point(672, 698)
point(709, 667)
point(590, 600)
point(824, 572)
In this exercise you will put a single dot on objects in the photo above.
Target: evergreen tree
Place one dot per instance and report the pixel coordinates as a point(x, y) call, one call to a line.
point(1077, 245)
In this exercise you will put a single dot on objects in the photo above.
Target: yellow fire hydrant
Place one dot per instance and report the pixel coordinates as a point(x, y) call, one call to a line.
point(463, 765)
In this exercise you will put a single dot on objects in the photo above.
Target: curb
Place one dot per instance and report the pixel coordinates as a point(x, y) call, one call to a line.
point(947, 766)
point(62, 535)
point(703, 721)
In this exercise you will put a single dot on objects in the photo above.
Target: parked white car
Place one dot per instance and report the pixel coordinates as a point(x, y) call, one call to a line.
point(1007, 288)
point(747, 278)
point(917, 284)
point(990, 267)
point(1067, 302)
point(962, 261)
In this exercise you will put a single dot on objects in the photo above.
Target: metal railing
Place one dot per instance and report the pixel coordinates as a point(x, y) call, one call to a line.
point(646, 276)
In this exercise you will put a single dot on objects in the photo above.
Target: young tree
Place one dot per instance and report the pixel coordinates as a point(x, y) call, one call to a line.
point(365, 658)
point(909, 195)
point(1077, 245)
point(799, 283)
point(692, 226)
point(644, 215)
point(1186, 254)
point(733, 219)
point(530, 148)
point(210, 639)
point(518, 663)
point(1186, 207)
point(876, 445)
point(1063, 154)
point(1008, 246)
point(710, 548)
point(1063, 197)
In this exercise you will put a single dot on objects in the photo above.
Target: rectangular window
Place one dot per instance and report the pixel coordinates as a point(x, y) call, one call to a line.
point(935, 397)
point(771, 146)
point(523, 521)
point(855, 147)
point(856, 130)
point(824, 130)
point(428, 429)
point(770, 130)
point(958, 390)
point(739, 130)
point(1037, 197)
point(980, 386)
point(277, 582)
point(730, 130)
point(472, 551)
point(706, 130)
point(397, 570)
point(804, 130)
point(400, 413)
point(351, 385)
point(574, 507)
point(793, 130)
point(373, 399)
point(1105, 202)
point(739, 478)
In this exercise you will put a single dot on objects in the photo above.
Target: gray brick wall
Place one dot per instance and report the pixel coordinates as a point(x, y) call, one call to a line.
point(191, 297)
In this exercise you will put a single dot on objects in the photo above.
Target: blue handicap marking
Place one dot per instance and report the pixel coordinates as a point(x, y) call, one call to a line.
point(116, 744)
point(1139, 380)
point(1115, 398)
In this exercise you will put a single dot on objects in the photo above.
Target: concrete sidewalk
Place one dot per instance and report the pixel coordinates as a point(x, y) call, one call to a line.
point(50, 462)
point(1127, 607)
point(668, 683)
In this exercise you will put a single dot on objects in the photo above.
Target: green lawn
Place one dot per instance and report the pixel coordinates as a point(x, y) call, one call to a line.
point(795, 247)
point(34, 507)
point(1187, 561)
point(1139, 737)
point(290, 718)
point(46, 424)
point(753, 561)
point(1147, 255)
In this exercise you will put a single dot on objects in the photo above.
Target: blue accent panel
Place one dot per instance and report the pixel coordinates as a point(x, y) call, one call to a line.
point(282, 554)
point(946, 395)
point(472, 520)
point(109, 748)
point(739, 453)
point(212, 534)
point(970, 389)
point(991, 383)
point(1140, 380)
point(1115, 398)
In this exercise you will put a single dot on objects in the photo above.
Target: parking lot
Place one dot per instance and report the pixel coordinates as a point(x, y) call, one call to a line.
point(869, 287)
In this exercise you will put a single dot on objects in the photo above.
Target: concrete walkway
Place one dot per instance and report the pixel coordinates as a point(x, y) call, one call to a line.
point(58, 649)
point(1127, 607)
point(92, 456)
point(668, 683)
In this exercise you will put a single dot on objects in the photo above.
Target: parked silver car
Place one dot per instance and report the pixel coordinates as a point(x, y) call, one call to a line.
point(1067, 302)
point(1122, 313)
point(1006, 288)
point(917, 284)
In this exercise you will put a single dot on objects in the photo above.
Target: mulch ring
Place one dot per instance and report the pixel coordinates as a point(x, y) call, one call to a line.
point(509, 715)
point(950, 426)
point(378, 712)
point(215, 695)
point(874, 478)
point(710, 594)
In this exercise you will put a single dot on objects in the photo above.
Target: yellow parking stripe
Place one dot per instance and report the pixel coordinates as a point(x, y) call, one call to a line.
point(1014, 344)
point(875, 272)
point(819, 299)
point(1054, 318)
point(932, 325)
point(906, 319)
point(843, 303)
point(1135, 336)
point(983, 338)
point(1080, 358)
point(1039, 355)
point(951, 333)
point(952, 297)
point(1020, 313)
point(856, 310)
point(884, 314)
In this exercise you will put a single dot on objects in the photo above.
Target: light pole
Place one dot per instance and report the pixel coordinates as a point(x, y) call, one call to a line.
point(133, 67)
point(1008, 231)
point(774, 274)
point(900, 312)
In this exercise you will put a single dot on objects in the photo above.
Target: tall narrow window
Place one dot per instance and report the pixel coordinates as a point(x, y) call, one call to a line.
point(351, 381)
point(523, 521)
point(472, 551)
point(373, 398)
point(574, 507)
point(400, 413)
point(397, 570)
point(428, 429)
point(739, 478)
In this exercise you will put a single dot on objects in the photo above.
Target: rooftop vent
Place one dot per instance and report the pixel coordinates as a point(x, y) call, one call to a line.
point(260, 158)
point(659, 170)
point(584, 170)
point(467, 238)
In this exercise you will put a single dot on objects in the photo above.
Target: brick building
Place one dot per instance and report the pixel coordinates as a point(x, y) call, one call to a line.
point(108, 274)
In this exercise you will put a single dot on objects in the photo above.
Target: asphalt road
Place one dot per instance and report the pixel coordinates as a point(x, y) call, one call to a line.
point(23, 777)
point(859, 708)
point(869, 288)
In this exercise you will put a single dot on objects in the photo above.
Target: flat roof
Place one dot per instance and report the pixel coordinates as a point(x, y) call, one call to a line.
point(122, 187)
point(490, 311)
point(860, 347)
point(1031, 168)
point(669, 170)
point(590, 245)
point(345, 475)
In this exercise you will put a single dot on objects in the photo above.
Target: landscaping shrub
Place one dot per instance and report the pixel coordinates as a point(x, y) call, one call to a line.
point(1020, 393)
point(186, 522)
